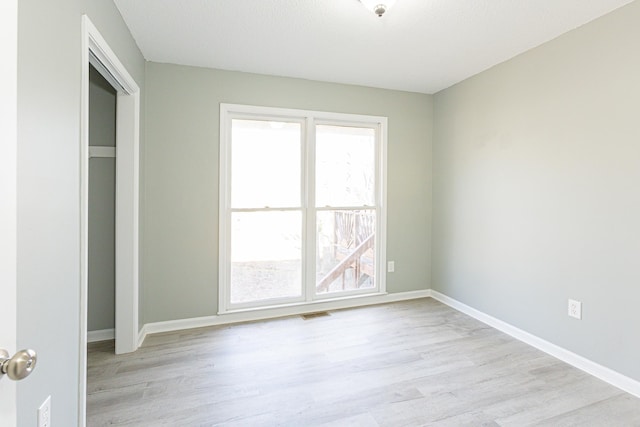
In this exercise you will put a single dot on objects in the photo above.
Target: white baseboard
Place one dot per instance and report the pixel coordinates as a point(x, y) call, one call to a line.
point(142, 334)
point(101, 335)
point(270, 313)
point(605, 374)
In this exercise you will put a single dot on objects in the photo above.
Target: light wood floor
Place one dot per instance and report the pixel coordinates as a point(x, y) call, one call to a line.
point(416, 363)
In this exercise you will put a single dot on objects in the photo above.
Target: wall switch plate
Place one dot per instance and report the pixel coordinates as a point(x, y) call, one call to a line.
point(575, 309)
point(44, 413)
point(391, 266)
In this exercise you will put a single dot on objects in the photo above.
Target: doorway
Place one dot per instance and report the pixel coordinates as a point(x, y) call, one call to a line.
point(101, 316)
point(97, 52)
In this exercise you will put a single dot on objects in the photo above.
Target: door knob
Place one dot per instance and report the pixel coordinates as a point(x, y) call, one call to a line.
point(19, 366)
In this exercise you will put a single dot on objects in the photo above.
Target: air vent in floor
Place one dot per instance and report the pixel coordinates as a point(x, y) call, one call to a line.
point(314, 315)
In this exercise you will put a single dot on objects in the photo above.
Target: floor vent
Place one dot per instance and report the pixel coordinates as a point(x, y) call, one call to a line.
point(314, 315)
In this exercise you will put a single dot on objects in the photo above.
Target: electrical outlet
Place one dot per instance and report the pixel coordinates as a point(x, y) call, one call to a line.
point(391, 266)
point(44, 413)
point(575, 309)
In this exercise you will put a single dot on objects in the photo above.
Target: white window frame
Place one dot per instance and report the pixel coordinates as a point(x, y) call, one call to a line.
point(308, 120)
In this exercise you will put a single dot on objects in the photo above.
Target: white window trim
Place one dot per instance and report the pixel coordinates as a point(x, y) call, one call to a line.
point(308, 119)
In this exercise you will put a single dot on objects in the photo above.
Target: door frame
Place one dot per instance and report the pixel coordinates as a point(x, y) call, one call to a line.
point(8, 197)
point(95, 50)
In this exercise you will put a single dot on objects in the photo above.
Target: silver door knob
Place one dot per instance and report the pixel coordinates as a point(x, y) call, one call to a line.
point(19, 366)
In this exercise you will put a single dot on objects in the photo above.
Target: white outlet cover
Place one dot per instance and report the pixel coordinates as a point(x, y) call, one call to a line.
point(44, 413)
point(575, 309)
point(391, 266)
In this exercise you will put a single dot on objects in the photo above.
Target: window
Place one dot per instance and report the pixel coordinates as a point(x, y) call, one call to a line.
point(302, 206)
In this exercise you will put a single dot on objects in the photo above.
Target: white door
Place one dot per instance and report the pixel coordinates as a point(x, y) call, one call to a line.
point(8, 145)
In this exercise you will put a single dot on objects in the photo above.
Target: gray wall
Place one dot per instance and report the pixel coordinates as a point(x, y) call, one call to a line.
point(49, 73)
point(535, 190)
point(102, 190)
point(180, 207)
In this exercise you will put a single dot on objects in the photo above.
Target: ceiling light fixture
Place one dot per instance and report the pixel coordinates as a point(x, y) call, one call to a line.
point(379, 7)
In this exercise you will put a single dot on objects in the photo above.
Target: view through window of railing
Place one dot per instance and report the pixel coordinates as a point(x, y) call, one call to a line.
point(301, 211)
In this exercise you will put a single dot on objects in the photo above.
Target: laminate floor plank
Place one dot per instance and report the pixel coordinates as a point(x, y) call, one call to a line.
point(414, 363)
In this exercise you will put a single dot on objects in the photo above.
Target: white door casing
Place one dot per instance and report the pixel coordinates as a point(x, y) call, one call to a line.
point(8, 197)
point(97, 51)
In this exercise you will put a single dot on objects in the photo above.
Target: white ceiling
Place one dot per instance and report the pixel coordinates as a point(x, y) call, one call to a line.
point(419, 45)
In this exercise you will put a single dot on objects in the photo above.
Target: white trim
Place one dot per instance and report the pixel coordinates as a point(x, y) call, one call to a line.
point(307, 195)
point(291, 113)
point(308, 120)
point(127, 221)
point(142, 335)
point(95, 48)
point(270, 313)
point(101, 152)
point(101, 335)
point(605, 374)
point(381, 215)
point(100, 50)
point(8, 197)
point(224, 216)
point(84, 225)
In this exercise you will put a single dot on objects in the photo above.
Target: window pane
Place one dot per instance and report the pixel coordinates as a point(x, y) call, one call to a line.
point(345, 260)
point(266, 256)
point(345, 166)
point(265, 164)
